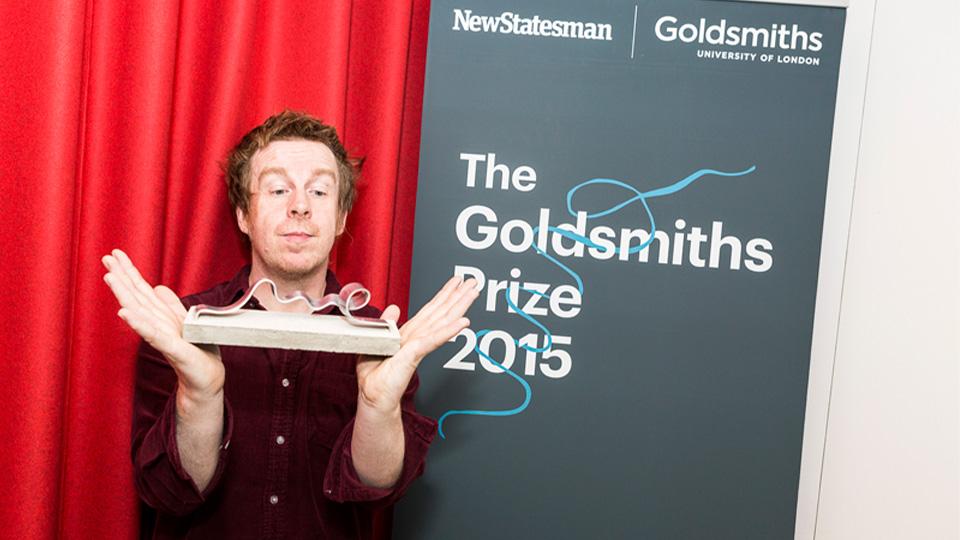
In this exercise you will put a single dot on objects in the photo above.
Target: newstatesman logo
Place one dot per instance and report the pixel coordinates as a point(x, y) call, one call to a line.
point(511, 23)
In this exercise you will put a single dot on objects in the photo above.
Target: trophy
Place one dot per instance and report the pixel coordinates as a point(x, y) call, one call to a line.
point(344, 333)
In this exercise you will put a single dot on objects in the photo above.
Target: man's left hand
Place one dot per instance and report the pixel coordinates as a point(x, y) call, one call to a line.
point(383, 381)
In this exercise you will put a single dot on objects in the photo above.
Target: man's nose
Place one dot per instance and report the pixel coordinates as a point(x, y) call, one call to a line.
point(299, 205)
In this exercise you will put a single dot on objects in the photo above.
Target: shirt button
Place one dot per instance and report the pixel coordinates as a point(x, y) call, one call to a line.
point(280, 439)
point(285, 382)
point(274, 499)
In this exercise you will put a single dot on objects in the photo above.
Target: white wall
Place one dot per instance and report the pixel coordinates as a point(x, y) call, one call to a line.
point(891, 456)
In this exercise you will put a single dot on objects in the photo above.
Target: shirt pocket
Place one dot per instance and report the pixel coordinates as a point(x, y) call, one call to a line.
point(332, 404)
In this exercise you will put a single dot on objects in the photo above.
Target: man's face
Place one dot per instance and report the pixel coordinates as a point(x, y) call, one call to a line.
point(294, 214)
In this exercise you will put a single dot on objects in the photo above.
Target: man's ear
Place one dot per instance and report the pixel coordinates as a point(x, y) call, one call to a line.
point(342, 223)
point(242, 221)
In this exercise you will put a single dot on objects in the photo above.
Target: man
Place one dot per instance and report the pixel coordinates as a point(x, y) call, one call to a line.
point(266, 443)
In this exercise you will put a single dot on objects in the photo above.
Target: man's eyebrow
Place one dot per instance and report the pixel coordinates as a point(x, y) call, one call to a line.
point(272, 170)
point(316, 173)
point(324, 171)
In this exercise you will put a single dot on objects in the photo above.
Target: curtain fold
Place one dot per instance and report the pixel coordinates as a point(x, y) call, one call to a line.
point(115, 117)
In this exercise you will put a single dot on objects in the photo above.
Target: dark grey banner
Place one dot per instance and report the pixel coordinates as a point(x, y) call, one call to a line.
point(639, 187)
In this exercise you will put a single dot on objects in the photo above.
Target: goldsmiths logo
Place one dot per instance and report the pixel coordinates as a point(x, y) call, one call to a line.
point(718, 40)
point(776, 36)
point(508, 22)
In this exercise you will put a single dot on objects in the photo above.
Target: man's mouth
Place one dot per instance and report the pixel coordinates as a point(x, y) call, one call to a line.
point(297, 236)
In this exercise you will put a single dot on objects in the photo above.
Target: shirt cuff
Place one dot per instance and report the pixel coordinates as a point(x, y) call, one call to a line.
point(166, 484)
point(341, 482)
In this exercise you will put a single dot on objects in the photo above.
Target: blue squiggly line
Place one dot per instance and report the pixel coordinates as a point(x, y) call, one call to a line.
point(551, 258)
point(638, 196)
point(527, 393)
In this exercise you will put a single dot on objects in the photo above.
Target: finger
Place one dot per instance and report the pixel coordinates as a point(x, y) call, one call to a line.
point(133, 277)
point(444, 334)
point(427, 311)
point(454, 306)
point(140, 284)
point(425, 345)
point(113, 269)
point(119, 279)
point(461, 299)
point(467, 289)
point(149, 332)
point(130, 300)
point(458, 307)
point(392, 313)
point(154, 317)
point(121, 290)
point(463, 302)
point(171, 300)
point(160, 334)
point(448, 288)
point(164, 337)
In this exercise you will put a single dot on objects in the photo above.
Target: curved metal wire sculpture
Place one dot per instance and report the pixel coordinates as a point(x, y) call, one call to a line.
point(352, 296)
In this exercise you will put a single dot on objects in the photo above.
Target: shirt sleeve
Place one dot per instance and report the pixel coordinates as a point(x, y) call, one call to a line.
point(341, 482)
point(160, 478)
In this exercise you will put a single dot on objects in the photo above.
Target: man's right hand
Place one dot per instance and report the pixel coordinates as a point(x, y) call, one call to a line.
point(157, 315)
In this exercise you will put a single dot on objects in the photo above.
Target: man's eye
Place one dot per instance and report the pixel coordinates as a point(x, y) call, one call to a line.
point(317, 192)
point(277, 192)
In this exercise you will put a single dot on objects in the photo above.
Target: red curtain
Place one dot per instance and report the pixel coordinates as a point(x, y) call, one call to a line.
point(114, 117)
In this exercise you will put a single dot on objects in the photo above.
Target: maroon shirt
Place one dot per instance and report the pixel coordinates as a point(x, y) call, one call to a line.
point(285, 468)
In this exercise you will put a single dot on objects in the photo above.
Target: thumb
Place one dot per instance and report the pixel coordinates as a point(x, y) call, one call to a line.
point(392, 313)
